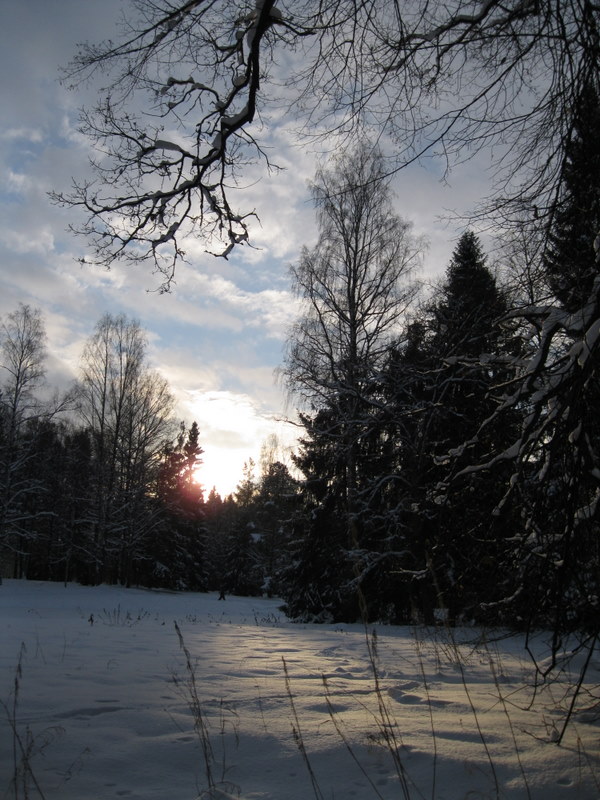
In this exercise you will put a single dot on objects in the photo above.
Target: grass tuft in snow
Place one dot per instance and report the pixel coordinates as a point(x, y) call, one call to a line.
point(117, 617)
point(217, 787)
point(25, 745)
point(386, 725)
point(297, 734)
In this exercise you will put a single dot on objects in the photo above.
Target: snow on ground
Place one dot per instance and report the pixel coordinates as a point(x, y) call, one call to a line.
point(283, 711)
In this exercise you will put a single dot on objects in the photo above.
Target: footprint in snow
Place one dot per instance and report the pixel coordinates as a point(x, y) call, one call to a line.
point(399, 692)
point(86, 713)
point(400, 696)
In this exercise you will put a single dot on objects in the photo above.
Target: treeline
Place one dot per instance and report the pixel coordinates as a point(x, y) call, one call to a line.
point(100, 485)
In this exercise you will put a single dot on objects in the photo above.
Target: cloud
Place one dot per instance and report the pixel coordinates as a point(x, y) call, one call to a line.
point(28, 134)
point(272, 310)
point(39, 243)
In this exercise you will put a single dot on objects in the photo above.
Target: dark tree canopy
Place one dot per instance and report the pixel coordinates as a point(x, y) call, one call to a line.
point(570, 259)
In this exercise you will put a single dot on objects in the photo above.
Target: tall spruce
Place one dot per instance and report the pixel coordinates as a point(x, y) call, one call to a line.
point(443, 377)
point(242, 572)
point(409, 415)
point(469, 538)
point(276, 503)
point(177, 552)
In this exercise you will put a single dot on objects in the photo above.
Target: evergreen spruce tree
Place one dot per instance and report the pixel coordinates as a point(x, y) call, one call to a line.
point(276, 503)
point(75, 475)
point(218, 512)
point(439, 388)
point(317, 583)
point(242, 572)
point(177, 558)
point(469, 539)
point(409, 412)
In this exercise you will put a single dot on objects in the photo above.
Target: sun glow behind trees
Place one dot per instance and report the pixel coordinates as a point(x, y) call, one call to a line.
point(218, 470)
point(239, 428)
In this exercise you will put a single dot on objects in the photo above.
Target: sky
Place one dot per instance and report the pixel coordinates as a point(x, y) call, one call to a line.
point(219, 336)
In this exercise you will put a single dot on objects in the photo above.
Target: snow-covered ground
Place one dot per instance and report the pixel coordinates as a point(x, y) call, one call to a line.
point(283, 711)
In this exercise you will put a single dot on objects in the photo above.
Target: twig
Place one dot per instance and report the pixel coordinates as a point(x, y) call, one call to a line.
point(508, 719)
point(384, 721)
point(344, 738)
point(297, 733)
point(200, 724)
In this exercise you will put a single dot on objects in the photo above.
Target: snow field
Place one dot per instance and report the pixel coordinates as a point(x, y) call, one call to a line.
point(284, 712)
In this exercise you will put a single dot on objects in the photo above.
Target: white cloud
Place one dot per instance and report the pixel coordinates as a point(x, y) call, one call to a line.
point(39, 241)
point(28, 134)
point(16, 182)
point(271, 309)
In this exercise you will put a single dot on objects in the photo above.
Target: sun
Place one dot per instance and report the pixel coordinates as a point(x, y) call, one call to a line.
point(233, 430)
point(219, 469)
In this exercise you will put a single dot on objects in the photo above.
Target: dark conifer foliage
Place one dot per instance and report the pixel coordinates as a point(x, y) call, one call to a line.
point(439, 389)
point(250, 532)
point(469, 303)
point(557, 482)
point(570, 259)
point(241, 567)
point(318, 582)
point(554, 452)
point(466, 346)
point(176, 556)
point(218, 515)
point(465, 341)
point(408, 421)
point(276, 506)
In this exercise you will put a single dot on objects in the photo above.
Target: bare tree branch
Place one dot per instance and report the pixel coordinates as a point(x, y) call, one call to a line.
point(446, 80)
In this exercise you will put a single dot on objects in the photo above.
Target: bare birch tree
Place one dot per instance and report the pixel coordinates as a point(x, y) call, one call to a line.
point(355, 286)
point(128, 408)
point(22, 353)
